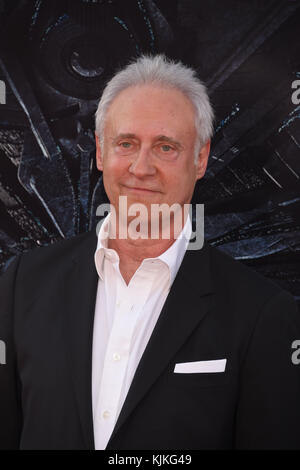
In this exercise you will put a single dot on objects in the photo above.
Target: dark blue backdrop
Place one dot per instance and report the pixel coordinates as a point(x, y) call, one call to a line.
point(55, 57)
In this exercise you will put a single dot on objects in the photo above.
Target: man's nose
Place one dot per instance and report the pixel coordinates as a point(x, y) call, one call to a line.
point(142, 164)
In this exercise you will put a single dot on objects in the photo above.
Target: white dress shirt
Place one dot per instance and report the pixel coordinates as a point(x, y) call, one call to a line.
point(125, 316)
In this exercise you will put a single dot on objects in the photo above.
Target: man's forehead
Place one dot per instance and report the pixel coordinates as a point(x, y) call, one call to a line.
point(138, 96)
point(153, 118)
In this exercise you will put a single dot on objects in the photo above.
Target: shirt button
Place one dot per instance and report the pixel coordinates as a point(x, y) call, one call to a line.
point(116, 357)
point(106, 414)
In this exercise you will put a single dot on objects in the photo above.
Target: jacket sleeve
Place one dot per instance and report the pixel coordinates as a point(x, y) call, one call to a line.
point(10, 406)
point(268, 411)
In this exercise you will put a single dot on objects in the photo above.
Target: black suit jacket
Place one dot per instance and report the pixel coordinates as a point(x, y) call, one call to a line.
point(217, 308)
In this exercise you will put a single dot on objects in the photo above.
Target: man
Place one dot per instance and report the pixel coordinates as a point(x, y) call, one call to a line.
point(142, 343)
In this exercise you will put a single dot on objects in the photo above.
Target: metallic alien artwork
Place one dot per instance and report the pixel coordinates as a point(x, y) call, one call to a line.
point(55, 57)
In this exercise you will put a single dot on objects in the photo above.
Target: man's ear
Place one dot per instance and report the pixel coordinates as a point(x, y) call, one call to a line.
point(202, 160)
point(98, 154)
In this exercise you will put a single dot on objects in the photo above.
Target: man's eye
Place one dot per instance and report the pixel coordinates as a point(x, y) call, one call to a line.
point(166, 148)
point(125, 145)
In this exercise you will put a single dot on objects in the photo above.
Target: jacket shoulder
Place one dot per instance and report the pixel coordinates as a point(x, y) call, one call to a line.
point(232, 274)
point(52, 257)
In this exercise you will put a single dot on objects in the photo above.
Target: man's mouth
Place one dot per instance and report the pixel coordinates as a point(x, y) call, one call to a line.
point(140, 190)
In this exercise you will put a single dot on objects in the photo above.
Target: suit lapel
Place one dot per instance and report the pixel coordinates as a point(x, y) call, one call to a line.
point(80, 295)
point(186, 305)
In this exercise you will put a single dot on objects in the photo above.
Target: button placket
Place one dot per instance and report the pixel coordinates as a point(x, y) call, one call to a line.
point(117, 353)
point(113, 377)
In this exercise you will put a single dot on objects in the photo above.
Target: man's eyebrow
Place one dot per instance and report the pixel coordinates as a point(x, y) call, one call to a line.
point(124, 136)
point(165, 138)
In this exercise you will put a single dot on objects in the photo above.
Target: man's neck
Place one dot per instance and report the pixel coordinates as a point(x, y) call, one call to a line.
point(136, 250)
point(132, 252)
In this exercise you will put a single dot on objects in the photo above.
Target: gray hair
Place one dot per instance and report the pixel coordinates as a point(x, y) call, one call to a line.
point(159, 70)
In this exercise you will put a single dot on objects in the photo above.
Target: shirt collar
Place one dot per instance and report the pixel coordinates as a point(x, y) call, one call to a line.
point(172, 257)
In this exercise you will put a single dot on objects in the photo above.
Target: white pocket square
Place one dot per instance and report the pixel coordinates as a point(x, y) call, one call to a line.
point(201, 366)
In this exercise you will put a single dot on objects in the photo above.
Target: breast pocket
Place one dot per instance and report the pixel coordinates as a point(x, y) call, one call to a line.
point(212, 373)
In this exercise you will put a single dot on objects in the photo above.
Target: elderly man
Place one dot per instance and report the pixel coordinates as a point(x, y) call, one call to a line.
point(139, 342)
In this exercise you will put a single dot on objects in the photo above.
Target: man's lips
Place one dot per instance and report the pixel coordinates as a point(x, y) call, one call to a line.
point(138, 189)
